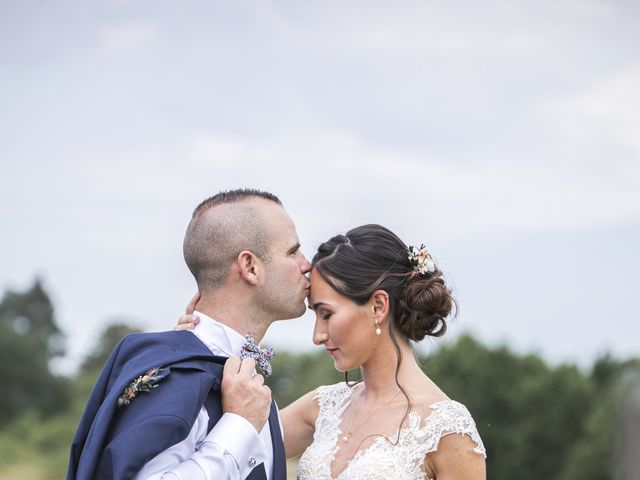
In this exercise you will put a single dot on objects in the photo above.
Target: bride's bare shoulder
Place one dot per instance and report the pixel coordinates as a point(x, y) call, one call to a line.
point(424, 393)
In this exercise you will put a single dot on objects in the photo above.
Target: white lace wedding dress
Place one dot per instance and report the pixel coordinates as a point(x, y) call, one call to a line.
point(382, 460)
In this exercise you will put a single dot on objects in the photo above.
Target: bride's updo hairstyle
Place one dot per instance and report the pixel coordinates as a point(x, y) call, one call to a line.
point(370, 258)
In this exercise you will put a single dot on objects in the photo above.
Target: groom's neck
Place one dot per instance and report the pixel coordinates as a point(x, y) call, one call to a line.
point(235, 312)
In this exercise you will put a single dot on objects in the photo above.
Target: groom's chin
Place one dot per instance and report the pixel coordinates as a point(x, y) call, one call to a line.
point(294, 314)
point(302, 308)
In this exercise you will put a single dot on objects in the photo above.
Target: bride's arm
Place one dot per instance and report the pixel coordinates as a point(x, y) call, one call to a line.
point(455, 459)
point(298, 423)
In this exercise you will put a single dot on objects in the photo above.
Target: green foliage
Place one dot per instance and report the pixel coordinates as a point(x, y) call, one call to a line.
point(536, 420)
point(31, 313)
point(41, 444)
point(27, 383)
point(106, 343)
point(29, 338)
point(521, 406)
point(296, 374)
point(38, 428)
point(599, 442)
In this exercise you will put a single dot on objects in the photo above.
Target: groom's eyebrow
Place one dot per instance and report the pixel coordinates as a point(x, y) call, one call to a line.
point(294, 248)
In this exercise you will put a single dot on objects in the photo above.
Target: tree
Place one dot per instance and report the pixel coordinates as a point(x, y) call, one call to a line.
point(593, 455)
point(29, 338)
point(31, 314)
point(528, 414)
point(109, 338)
point(93, 363)
point(296, 374)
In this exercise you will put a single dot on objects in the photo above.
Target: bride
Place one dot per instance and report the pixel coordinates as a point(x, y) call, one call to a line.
point(372, 295)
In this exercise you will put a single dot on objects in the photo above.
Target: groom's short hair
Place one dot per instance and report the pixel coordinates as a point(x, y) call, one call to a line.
point(216, 236)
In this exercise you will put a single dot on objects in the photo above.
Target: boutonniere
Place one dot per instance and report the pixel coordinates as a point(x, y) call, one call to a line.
point(144, 383)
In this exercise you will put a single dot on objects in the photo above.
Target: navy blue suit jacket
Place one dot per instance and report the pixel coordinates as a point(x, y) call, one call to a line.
point(113, 443)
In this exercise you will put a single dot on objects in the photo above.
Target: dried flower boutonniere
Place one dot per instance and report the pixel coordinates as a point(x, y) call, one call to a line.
point(144, 383)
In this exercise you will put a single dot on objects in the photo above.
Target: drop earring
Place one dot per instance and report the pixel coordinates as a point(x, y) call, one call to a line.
point(378, 331)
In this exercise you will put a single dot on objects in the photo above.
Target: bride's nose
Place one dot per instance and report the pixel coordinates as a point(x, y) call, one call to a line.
point(320, 334)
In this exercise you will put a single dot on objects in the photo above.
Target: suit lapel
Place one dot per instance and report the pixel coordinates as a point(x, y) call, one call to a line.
point(257, 473)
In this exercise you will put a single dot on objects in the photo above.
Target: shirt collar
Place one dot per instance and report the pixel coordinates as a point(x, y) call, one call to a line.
point(221, 339)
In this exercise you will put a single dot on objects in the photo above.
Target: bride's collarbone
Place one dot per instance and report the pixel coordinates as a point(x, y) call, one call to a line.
point(360, 428)
point(394, 414)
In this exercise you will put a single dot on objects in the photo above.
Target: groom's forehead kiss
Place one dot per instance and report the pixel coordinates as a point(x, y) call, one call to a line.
point(280, 228)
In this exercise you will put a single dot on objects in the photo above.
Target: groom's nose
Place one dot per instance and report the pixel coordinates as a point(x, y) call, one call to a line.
point(305, 266)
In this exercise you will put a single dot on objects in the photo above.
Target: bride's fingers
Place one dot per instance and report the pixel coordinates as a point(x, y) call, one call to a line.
point(187, 322)
point(191, 306)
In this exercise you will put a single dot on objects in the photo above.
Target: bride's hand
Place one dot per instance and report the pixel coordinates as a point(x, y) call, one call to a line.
point(188, 321)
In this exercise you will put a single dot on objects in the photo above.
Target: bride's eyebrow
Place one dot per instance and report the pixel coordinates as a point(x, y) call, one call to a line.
point(319, 304)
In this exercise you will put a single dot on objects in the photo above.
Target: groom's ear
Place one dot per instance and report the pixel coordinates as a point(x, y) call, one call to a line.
point(248, 265)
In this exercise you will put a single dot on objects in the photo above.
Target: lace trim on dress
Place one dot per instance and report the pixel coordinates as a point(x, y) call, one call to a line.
point(381, 459)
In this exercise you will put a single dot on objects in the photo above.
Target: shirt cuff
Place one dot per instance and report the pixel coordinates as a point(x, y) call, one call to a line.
point(240, 439)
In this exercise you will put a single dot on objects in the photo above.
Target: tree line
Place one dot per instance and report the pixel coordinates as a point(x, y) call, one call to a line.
point(536, 420)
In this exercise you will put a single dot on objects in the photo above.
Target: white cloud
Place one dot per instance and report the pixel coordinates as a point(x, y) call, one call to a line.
point(487, 195)
point(608, 110)
point(128, 36)
point(424, 117)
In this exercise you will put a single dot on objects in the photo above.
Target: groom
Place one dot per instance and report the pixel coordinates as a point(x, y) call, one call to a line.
point(162, 408)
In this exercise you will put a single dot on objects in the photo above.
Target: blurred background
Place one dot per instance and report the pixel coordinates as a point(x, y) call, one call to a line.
point(505, 135)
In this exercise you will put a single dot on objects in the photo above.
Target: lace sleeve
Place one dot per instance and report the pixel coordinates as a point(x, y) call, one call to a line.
point(450, 417)
point(331, 398)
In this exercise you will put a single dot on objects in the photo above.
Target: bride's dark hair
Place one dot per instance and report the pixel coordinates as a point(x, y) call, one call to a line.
point(371, 257)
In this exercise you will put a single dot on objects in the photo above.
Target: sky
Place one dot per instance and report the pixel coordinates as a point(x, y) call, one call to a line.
point(505, 135)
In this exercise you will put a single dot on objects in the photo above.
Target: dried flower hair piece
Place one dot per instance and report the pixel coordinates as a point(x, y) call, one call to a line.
point(421, 261)
point(144, 383)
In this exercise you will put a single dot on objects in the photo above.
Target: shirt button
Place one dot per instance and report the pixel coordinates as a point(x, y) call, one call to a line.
point(252, 462)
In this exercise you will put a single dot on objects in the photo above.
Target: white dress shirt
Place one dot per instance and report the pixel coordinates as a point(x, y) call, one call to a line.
point(233, 446)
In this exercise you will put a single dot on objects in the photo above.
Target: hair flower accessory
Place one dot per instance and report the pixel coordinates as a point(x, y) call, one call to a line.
point(421, 260)
point(144, 383)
